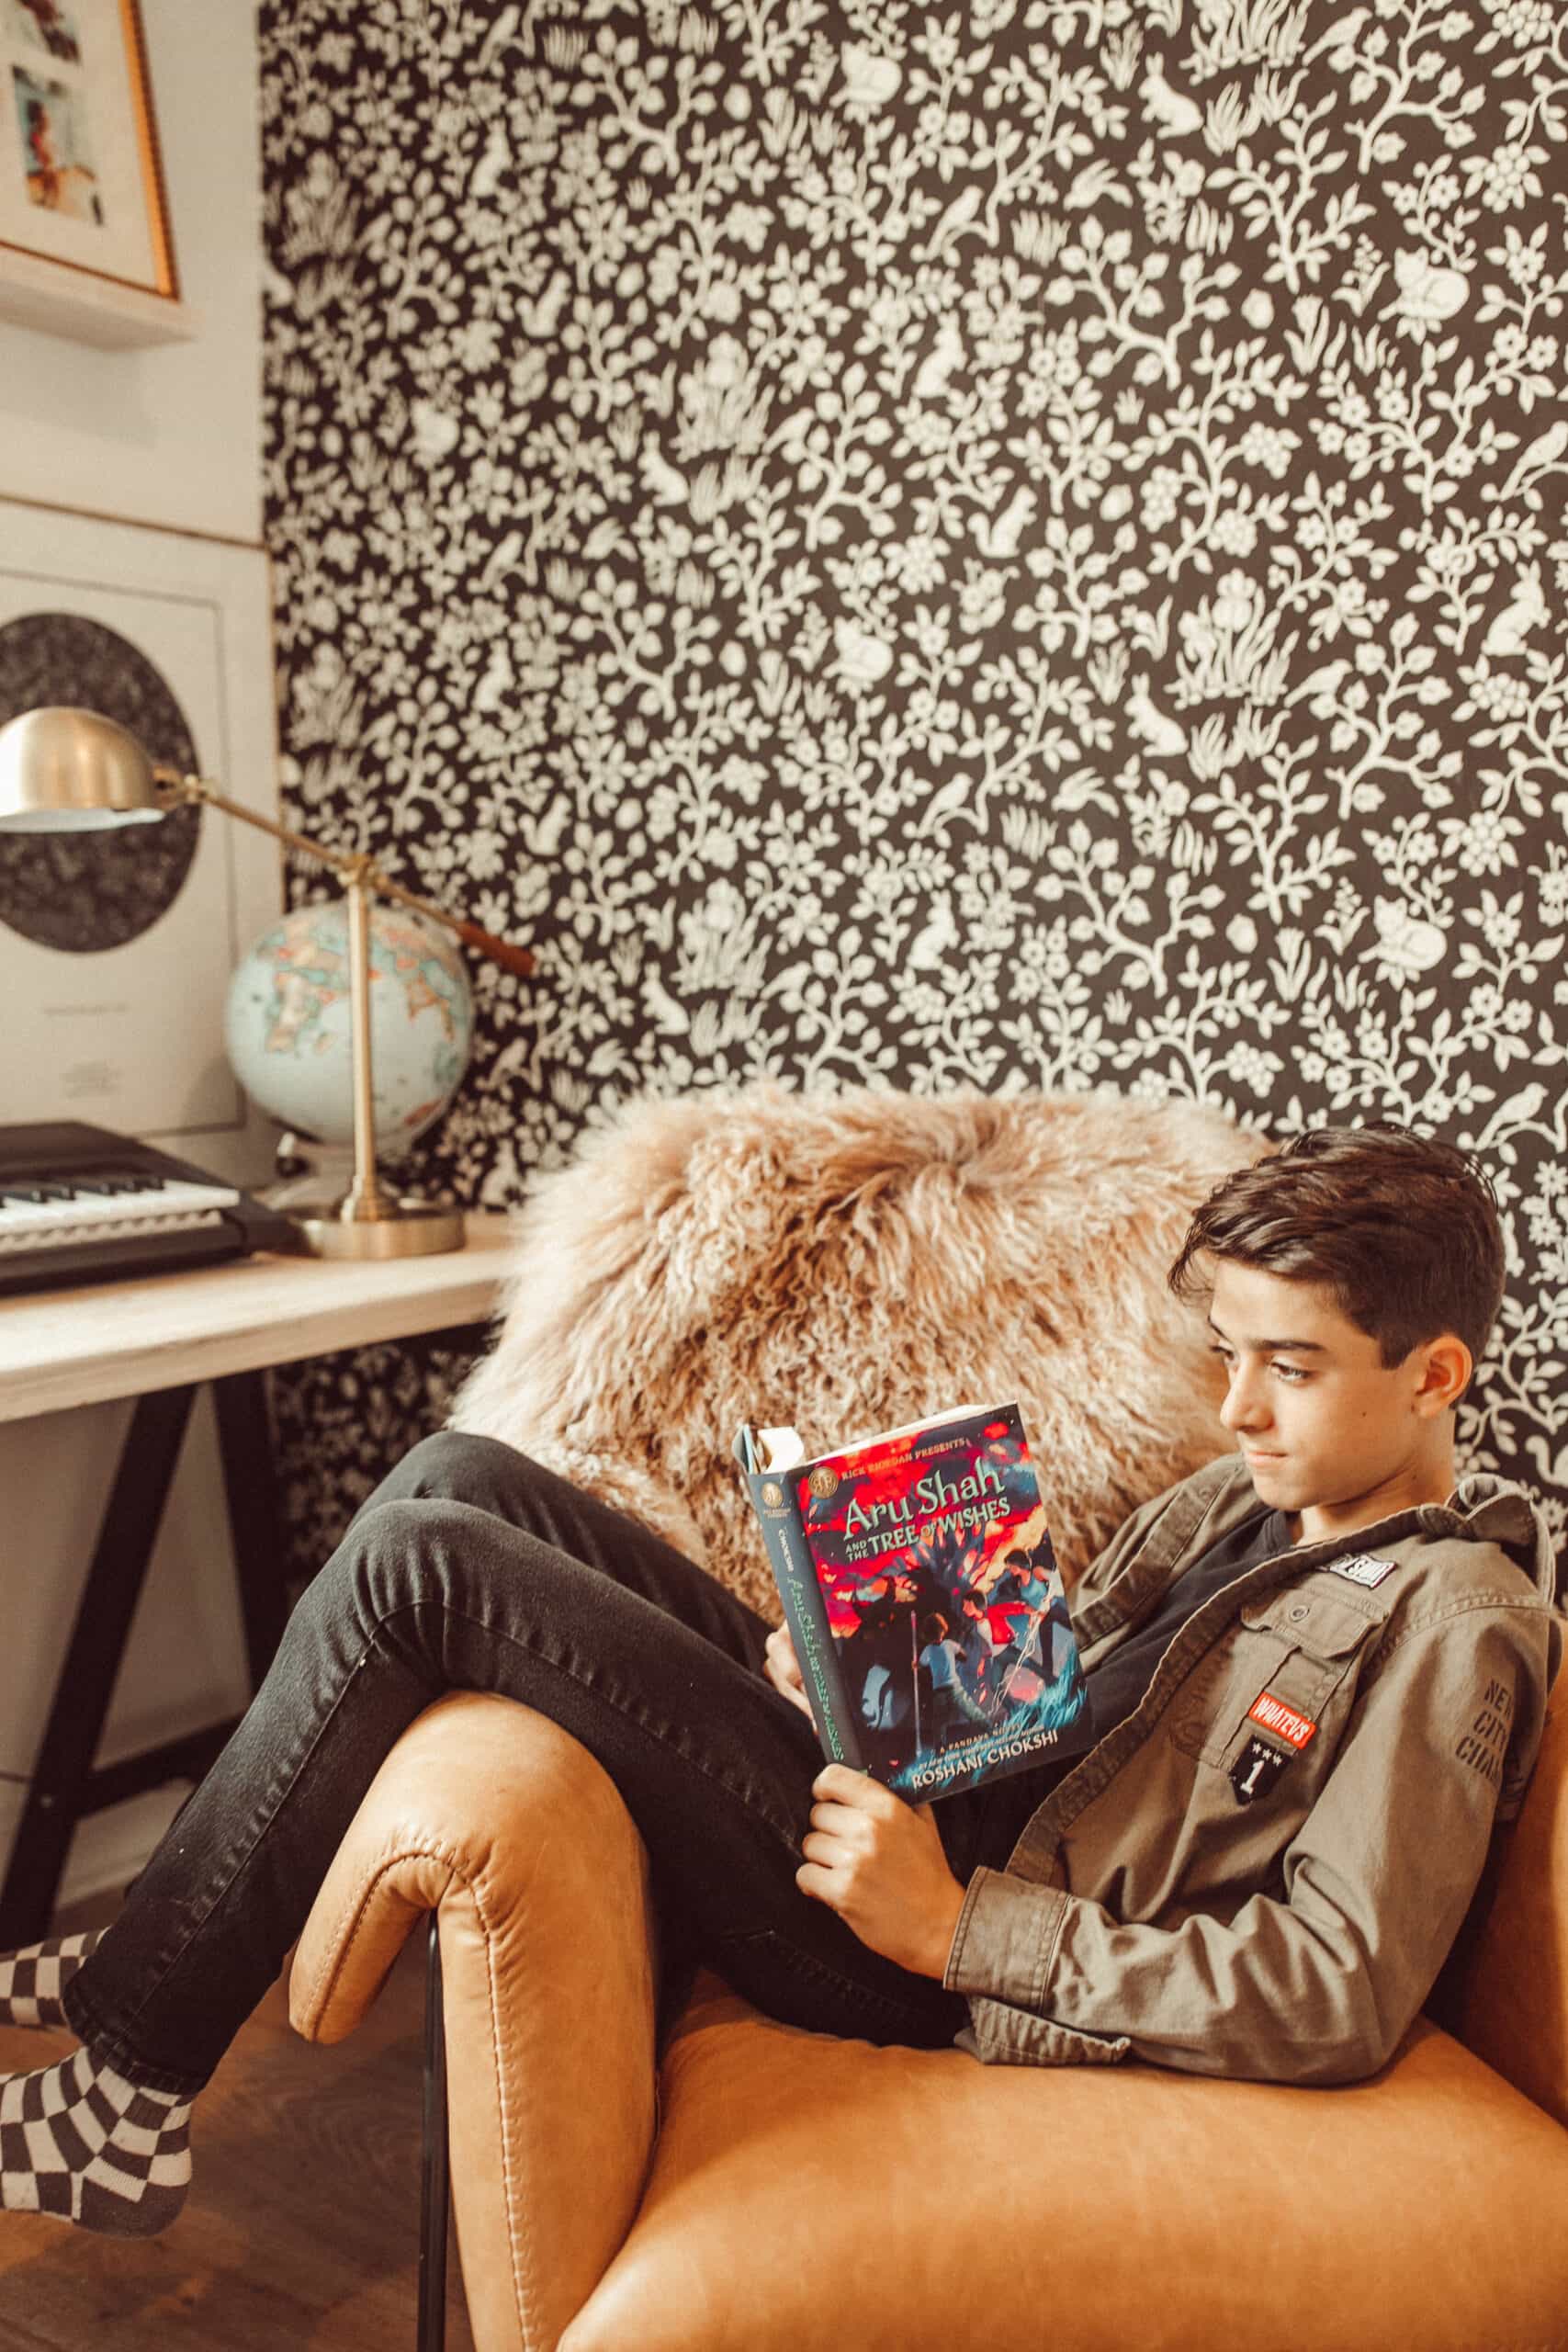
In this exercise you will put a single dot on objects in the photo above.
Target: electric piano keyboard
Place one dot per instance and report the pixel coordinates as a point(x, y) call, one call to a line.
point(79, 1205)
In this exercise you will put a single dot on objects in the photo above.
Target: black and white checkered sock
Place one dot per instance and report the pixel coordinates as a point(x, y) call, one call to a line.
point(78, 2141)
point(32, 1980)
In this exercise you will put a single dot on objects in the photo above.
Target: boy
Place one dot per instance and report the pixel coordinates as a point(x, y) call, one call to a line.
point(1319, 1673)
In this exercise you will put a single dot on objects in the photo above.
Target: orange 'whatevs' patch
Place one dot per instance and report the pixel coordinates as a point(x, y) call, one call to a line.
point(1275, 1716)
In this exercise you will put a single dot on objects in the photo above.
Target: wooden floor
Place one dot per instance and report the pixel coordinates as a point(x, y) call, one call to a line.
point(301, 2227)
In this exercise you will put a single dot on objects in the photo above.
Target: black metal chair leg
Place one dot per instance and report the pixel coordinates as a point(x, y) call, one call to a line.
point(434, 2172)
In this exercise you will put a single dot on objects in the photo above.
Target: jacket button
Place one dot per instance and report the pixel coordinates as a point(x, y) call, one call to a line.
point(1300, 1610)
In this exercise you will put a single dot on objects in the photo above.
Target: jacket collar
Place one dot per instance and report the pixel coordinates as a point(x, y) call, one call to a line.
point(1495, 1510)
point(1207, 1505)
point(1481, 1509)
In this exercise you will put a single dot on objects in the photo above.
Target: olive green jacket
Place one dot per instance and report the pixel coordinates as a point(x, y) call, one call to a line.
point(1149, 1910)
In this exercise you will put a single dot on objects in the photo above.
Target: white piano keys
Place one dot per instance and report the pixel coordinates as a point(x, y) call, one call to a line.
point(170, 1207)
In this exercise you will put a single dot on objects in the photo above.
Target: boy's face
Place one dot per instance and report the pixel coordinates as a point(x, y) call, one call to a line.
point(1325, 1426)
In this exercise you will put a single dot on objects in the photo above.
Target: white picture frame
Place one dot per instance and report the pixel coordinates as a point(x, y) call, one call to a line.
point(85, 244)
point(130, 1037)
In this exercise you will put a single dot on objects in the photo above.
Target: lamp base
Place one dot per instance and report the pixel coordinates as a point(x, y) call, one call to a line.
point(406, 1230)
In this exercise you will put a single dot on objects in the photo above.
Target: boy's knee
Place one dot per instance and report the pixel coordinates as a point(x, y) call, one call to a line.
point(387, 1557)
point(455, 1466)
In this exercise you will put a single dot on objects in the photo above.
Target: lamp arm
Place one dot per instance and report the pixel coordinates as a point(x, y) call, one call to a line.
point(175, 788)
point(499, 951)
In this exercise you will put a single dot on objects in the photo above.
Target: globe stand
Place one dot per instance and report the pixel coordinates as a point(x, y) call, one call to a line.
point(368, 1221)
point(399, 1229)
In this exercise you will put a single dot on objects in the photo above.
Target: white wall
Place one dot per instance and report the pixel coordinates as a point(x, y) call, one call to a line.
point(184, 1663)
point(170, 435)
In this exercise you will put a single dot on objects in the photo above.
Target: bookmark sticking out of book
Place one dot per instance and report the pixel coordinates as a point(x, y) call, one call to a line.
point(921, 1592)
point(774, 1450)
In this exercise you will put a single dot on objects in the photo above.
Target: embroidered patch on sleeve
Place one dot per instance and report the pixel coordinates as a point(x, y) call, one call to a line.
point(1362, 1568)
point(1274, 1715)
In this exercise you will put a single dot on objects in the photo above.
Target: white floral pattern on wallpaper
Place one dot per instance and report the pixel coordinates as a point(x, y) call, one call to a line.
point(1019, 545)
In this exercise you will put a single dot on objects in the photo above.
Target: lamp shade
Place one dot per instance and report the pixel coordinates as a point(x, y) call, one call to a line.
point(68, 771)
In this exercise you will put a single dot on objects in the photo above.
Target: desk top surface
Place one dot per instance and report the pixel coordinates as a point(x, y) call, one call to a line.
point(64, 1347)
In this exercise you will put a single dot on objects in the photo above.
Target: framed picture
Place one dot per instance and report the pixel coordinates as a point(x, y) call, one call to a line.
point(117, 948)
point(84, 240)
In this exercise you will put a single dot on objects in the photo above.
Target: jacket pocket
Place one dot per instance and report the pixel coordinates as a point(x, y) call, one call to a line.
point(1296, 1647)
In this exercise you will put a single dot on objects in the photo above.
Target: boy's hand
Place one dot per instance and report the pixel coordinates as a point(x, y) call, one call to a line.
point(783, 1670)
point(878, 1863)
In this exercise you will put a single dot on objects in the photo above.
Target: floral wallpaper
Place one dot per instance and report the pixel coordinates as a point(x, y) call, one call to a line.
point(1018, 545)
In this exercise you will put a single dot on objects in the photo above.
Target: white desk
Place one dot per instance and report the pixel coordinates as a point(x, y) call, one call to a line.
point(60, 1348)
point(157, 1338)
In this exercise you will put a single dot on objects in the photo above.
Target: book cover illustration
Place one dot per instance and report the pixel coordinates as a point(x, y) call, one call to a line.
point(929, 1615)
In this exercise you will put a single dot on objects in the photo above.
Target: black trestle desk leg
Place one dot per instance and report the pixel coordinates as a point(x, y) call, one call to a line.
point(244, 1439)
point(63, 1772)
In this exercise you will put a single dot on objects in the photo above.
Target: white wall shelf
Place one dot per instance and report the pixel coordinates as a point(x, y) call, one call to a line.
point(53, 300)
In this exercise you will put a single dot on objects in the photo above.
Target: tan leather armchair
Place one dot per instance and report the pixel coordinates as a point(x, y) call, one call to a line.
point(805, 2194)
point(752, 2186)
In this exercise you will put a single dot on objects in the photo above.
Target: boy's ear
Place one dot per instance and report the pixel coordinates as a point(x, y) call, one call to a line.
point(1445, 1374)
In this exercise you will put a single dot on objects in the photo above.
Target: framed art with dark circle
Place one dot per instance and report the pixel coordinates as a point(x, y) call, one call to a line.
point(117, 946)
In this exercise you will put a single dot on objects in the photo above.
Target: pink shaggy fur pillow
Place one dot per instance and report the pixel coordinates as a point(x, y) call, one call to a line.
point(846, 1264)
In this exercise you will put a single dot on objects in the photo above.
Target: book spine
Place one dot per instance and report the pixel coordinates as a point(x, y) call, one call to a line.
point(805, 1614)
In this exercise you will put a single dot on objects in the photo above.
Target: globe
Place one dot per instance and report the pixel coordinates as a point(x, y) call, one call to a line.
point(288, 1035)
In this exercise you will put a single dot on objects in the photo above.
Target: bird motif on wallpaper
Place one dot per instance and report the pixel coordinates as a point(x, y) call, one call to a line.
point(1341, 37)
point(959, 216)
point(502, 558)
point(502, 28)
point(1537, 457)
point(1320, 688)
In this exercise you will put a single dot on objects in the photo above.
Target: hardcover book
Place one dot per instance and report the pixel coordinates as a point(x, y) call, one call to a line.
point(923, 1598)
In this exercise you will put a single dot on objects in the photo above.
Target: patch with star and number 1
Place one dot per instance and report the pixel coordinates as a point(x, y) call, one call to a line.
point(1262, 1760)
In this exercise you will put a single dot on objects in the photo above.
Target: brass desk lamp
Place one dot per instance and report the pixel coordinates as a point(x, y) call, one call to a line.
point(63, 770)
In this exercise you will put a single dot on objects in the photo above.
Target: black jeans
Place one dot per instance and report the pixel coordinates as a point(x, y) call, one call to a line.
point(473, 1568)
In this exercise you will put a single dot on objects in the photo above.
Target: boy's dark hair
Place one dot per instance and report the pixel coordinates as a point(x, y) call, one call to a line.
point(1403, 1229)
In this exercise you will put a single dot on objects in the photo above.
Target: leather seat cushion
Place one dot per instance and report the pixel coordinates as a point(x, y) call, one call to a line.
point(815, 2195)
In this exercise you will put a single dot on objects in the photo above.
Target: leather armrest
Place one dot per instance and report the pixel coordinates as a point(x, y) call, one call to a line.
point(489, 1814)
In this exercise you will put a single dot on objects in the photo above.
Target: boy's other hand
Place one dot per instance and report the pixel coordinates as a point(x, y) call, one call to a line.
point(878, 1862)
point(784, 1668)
